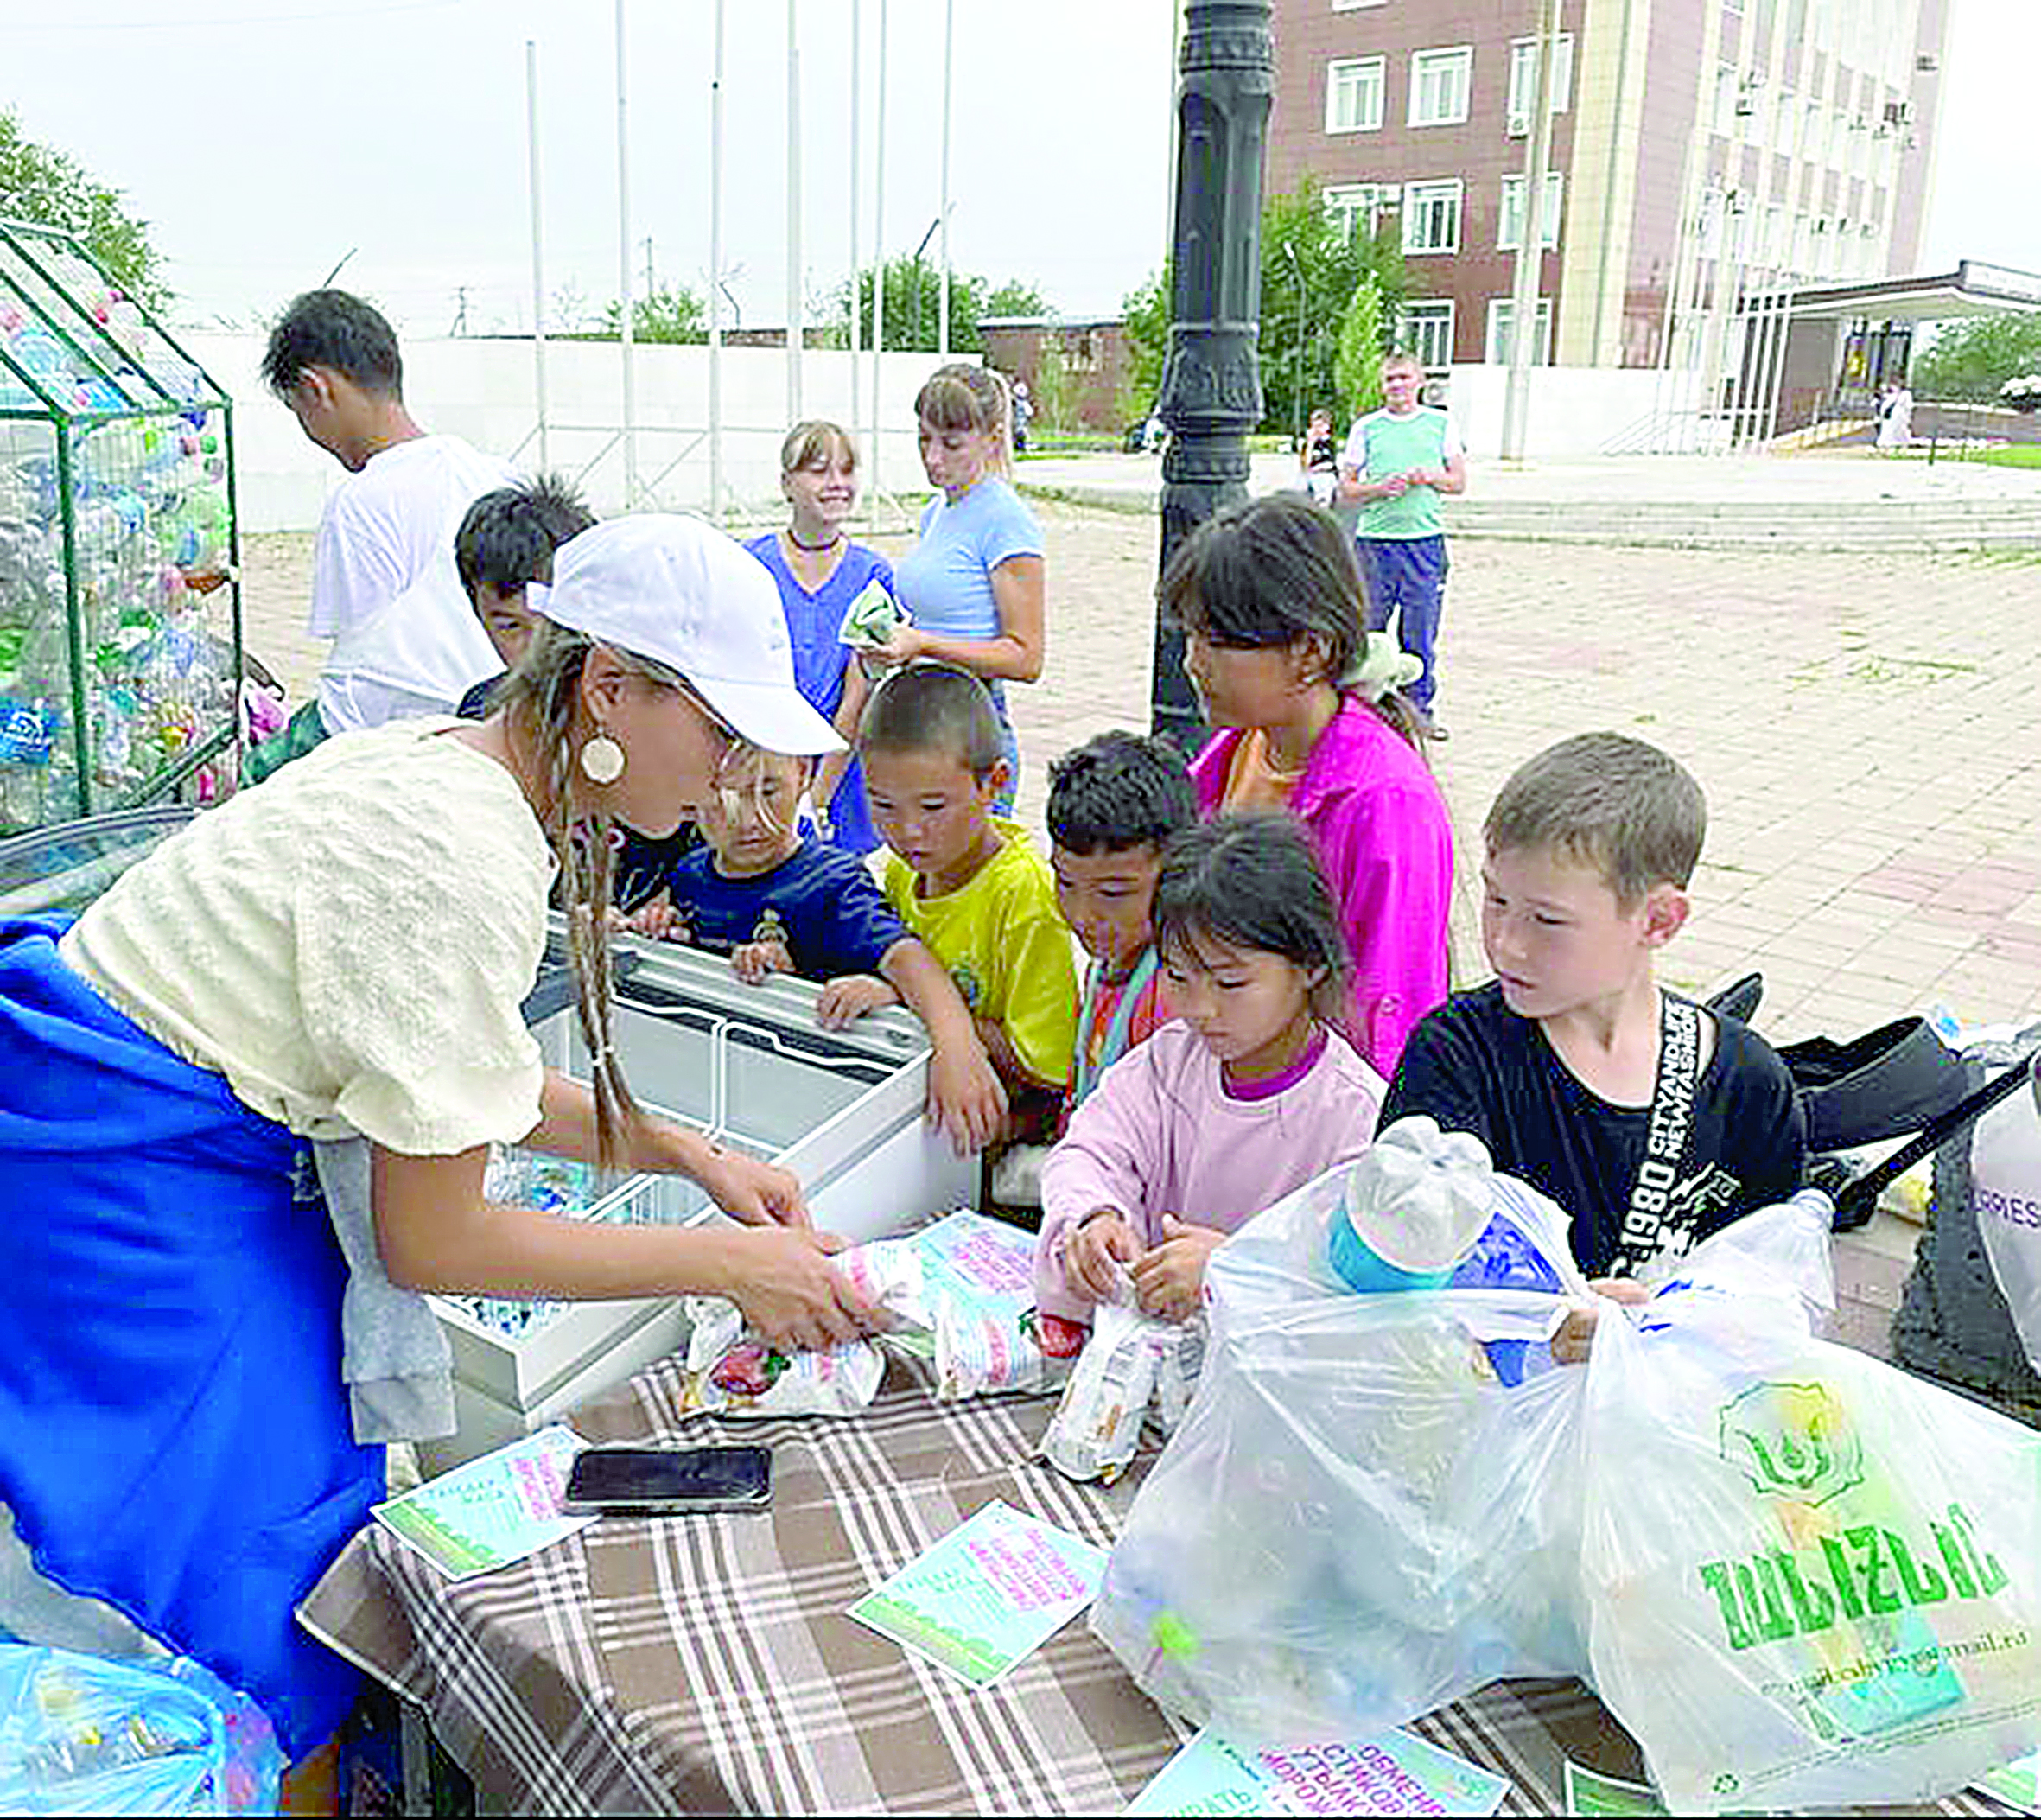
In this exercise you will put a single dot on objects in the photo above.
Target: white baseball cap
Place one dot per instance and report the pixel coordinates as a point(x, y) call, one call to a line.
point(678, 591)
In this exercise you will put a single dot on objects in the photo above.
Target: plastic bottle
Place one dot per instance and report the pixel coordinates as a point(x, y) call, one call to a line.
point(1415, 1203)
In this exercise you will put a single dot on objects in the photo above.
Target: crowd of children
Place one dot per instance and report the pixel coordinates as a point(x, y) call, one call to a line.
point(1264, 928)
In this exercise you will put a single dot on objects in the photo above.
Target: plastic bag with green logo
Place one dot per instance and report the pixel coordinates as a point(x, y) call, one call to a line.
point(1811, 1580)
point(1370, 1507)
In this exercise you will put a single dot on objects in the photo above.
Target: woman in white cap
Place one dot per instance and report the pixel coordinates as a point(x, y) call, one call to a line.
point(328, 970)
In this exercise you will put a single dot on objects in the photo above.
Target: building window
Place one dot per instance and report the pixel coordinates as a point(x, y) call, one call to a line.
point(1440, 82)
point(1726, 94)
point(1427, 330)
point(1501, 318)
point(1524, 77)
point(1431, 217)
point(1713, 214)
point(1357, 207)
point(1509, 232)
point(1785, 123)
point(1353, 95)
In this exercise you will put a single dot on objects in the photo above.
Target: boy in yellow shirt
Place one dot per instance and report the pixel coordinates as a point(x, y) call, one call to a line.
point(969, 882)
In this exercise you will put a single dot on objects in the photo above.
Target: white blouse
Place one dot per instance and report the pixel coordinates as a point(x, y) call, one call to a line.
point(348, 943)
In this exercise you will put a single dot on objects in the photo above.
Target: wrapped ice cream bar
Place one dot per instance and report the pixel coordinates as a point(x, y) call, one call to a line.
point(1097, 1426)
point(871, 620)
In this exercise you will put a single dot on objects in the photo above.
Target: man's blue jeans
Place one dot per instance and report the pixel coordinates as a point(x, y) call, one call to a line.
point(1405, 578)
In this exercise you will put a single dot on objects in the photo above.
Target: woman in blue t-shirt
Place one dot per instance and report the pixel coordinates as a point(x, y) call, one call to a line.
point(820, 572)
point(974, 582)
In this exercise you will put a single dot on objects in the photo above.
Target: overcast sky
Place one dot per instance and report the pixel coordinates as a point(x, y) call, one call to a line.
point(264, 141)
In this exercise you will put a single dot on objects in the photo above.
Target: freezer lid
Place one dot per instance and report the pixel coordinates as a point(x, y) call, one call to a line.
point(63, 868)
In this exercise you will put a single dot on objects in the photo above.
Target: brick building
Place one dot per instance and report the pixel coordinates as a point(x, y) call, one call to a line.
point(1702, 151)
point(1093, 359)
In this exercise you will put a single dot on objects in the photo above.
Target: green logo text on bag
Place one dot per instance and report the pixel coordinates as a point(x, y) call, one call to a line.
point(1792, 1441)
point(1866, 1570)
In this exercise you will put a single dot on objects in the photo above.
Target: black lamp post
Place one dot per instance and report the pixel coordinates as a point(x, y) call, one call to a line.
point(1212, 382)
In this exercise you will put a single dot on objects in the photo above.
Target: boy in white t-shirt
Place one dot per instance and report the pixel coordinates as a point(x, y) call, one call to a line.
point(384, 586)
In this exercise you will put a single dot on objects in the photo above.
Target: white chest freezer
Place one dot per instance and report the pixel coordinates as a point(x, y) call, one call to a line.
point(747, 1066)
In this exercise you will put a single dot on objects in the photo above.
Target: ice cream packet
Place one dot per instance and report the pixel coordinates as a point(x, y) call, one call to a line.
point(872, 618)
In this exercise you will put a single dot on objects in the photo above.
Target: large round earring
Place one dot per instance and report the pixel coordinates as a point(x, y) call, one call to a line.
point(602, 760)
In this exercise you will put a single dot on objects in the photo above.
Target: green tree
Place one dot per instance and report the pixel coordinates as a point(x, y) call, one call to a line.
point(1145, 312)
point(51, 188)
point(1311, 267)
point(1357, 364)
point(1973, 360)
point(1016, 298)
point(672, 314)
point(913, 306)
point(1055, 391)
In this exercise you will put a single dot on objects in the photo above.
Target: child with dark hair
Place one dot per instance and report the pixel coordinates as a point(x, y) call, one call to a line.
point(1651, 1121)
point(1113, 804)
point(1310, 720)
point(1250, 1093)
point(384, 586)
point(969, 882)
point(505, 541)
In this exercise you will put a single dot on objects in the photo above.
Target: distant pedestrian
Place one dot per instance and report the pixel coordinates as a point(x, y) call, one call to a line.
point(1397, 461)
point(1317, 458)
point(1895, 417)
point(1023, 415)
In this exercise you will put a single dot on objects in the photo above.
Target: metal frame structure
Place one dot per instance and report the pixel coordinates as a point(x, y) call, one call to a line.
point(29, 279)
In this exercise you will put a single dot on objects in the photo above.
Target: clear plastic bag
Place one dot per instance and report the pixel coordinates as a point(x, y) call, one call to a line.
point(1801, 1578)
point(1811, 1580)
point(80, 1735)
point(1352, 1524)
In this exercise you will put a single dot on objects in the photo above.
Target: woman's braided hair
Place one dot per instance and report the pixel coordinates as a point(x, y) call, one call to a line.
point(541, 696)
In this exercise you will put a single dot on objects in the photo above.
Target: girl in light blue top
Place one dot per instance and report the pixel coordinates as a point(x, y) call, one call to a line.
point(974, 583)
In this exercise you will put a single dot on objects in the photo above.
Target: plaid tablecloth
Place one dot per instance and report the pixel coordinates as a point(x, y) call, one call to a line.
point(705, 1664)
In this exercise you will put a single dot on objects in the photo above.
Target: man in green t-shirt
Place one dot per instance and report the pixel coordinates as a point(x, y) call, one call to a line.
point(1397, 461)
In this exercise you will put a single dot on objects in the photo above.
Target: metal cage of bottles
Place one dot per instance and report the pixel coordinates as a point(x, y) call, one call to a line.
point(120, 602)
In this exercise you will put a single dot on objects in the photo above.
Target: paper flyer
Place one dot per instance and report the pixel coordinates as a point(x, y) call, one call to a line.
point(1396, 1773)
point(2017, 1783)
point(492, 1510)
point(990, 1592)
point(1589, 1791)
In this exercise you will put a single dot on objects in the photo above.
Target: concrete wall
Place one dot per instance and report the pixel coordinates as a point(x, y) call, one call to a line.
point(1572, 410)
point(483, 389)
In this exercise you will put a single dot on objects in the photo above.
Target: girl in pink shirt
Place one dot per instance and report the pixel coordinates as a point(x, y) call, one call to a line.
point(1249, 1093)
point(1311, 719)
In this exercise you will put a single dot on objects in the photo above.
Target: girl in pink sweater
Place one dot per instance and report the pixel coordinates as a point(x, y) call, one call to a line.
point(1311, 718)
point(1249, 1093)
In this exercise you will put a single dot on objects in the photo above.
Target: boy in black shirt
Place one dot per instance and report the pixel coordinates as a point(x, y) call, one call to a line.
point(1652, 1122)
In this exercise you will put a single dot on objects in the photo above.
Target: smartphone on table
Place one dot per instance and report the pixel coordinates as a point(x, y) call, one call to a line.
point(668, 1481)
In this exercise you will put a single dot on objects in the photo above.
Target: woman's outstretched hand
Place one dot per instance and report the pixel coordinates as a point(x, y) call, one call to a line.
point(791, 1295)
